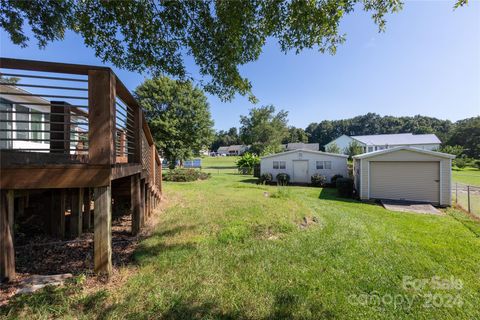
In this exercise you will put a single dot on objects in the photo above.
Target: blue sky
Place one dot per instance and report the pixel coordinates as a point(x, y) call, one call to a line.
point(427, 62)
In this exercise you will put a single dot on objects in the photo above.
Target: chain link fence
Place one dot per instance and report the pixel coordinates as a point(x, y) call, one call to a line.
point(467, 197)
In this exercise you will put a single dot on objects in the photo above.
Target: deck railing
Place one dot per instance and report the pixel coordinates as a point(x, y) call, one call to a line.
point(71, 113)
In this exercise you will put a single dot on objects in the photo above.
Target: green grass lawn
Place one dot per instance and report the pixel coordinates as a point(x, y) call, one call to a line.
point(470, 176)
point(227, 248)
point(219, 162)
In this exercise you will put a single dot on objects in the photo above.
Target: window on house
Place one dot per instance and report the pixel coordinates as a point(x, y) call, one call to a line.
point(324, 165)
point(279, 165)
point(5, 124)
point(22, 118)
point(36, 127)
point(370, 149)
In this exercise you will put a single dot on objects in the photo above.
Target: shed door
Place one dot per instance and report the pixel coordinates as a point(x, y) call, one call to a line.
point(405, 180)
point(300, 171)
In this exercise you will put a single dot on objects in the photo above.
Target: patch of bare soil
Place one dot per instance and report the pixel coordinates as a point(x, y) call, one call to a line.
point(43, 255)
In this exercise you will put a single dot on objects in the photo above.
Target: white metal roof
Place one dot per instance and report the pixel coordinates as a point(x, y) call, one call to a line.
point(301, 145)
point(398, 138)
point(376, 153)
point(308, 151)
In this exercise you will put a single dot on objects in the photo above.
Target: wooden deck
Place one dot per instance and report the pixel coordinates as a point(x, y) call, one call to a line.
point(89, 147)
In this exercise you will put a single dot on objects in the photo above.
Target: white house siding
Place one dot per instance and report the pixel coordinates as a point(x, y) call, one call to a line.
point(429, 147)
point(405, 155)
point(339, 164)
point(342, 142)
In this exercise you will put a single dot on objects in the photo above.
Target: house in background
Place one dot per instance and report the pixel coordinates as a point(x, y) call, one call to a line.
point(301, 145)
point(377, 142)
point(234, 150)
point(26, 122)
point(301, 164)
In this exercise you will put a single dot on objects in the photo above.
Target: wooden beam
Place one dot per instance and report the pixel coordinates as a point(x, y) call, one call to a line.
point(136, 204)
point(7, 253)
point(125, 170)
point(54, 176)
point(101, 117)
point(142, 202)
point(57, 221)
point(11, 208)
point(76, 213)
point(87, 214)
point(35, 65)
point(103, 230)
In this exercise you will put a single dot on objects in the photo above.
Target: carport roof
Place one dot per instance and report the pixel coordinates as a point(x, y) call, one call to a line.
point(308, 151)
point(376, 153)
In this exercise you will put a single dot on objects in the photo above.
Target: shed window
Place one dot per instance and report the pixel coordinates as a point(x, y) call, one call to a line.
point(324, 165)
point(328, 165)
point(279, 164)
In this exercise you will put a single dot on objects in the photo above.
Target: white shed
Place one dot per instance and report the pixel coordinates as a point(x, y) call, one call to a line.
point(404, 173)
point(301, 164)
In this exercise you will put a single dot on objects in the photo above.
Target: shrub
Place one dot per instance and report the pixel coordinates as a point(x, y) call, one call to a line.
point(333, 180)
point(184, 175)
point(477, 164)
point(247, 162)
point(265, 178)
point(283, 179)
point(345, 187)
point(460, 163)
point(318, 180)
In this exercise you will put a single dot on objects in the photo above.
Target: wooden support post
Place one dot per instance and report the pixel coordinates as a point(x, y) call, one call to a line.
point(60, 127)
point(11, 208)
point(142, 202)
point(136, 204)
point(147, 201)
point(87, 215)
point(102, 236)
point(7, 253)
point(101, 117)
point(21, 206)
point(57, 221)
point(76, 213)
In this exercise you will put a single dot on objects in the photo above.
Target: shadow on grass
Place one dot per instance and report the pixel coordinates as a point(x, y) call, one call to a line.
point(250, 181)
point(54, 302)
point(332, 194)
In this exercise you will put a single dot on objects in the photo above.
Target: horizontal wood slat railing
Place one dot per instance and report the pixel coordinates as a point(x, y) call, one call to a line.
point(69, 114)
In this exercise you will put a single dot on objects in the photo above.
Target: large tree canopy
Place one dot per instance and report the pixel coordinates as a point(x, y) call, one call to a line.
point(178, 115)
point(466, 133)
point(264, 129)
point(156, 36)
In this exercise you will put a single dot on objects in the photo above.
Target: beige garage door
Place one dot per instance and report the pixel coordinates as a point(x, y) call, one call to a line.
point(405, 180)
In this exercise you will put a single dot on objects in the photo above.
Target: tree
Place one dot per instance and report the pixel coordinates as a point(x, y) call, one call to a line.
point(467, 134)
point(353, 149)
point(296, 135)
point(219, 35)
point(455, 150)
point(247, 163)
point(225, 138)
point(333, 148)
point(178, 115)
point(263, 128)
